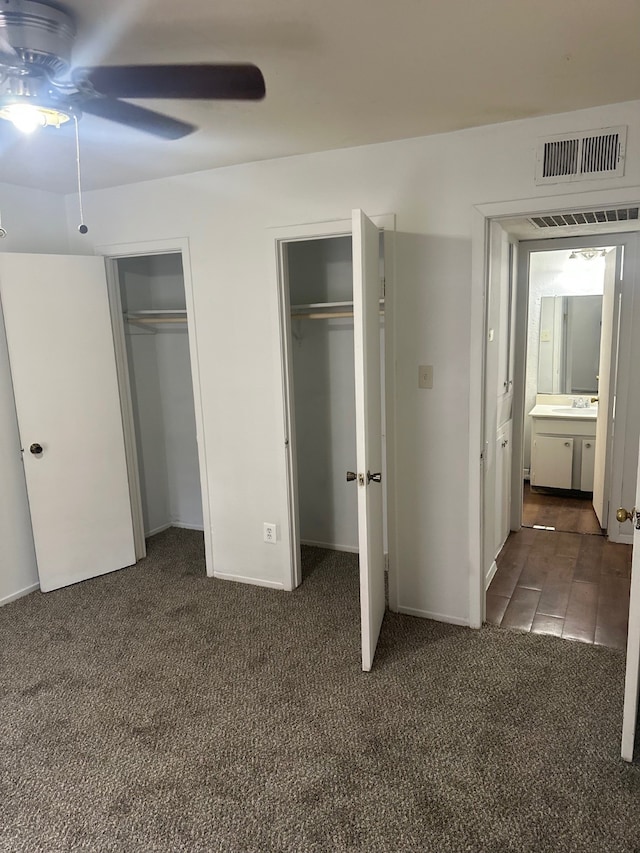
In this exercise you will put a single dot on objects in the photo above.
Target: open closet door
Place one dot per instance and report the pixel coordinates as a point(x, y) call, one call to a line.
point(61, 351)
point(366, 325)
point(608, 359)
point(630, 713)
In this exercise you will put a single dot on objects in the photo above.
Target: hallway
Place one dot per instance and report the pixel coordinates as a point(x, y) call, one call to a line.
point(569, 585)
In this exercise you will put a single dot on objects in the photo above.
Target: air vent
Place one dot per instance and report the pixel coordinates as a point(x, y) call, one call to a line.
point(581, 156)
point(585, 217)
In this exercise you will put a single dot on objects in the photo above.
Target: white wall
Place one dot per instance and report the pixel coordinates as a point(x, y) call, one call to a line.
point(35, 222)
point(431, 184)
point(553, 274)
point(324, 383)
point(162, 396)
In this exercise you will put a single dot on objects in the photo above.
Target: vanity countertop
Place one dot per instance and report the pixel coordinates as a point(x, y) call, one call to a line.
point(566, 413)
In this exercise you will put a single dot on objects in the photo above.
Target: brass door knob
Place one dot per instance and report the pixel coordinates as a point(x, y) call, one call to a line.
point(624, 515)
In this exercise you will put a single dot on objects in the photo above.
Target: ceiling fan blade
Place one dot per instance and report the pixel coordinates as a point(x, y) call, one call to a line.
point(139, 118)
point(197, 82)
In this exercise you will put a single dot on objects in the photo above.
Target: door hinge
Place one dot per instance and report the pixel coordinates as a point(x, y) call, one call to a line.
point(383, 288)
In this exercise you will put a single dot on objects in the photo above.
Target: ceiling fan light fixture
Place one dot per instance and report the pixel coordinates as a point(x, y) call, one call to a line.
point(27, 118)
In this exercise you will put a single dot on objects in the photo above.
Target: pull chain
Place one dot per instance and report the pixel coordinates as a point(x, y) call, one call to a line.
point(82, 228)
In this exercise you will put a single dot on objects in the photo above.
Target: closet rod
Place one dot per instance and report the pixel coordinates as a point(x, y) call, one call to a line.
point(153, 321)
point(327, 315)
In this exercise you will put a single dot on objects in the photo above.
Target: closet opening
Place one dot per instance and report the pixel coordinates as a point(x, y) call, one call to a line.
point(152, 333)
point(324, 359)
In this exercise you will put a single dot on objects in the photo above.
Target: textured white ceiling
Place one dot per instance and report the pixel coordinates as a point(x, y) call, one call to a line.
point(339, 73)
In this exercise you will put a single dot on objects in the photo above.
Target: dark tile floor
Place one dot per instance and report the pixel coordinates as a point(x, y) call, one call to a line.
point(571, 585)
point(572, 512)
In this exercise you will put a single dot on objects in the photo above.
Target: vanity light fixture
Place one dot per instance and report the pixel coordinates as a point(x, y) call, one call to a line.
point(587, 254)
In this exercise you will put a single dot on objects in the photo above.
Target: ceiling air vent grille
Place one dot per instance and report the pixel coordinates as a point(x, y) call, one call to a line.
point(585, 217)
point(581, 156)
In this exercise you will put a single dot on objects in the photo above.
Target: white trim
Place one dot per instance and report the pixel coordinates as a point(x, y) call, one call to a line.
point(126, 406)
point(348, 549)
point(436, 617)
point(625, 539)
point(157, 530)
point(169, 524)
point(221, 576)
point(482, 214)
point(181, 245)
point(490, 574)
point(277, 236)
point(19, 594)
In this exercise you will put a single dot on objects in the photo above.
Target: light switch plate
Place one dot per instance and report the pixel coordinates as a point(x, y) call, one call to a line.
point(425, 376)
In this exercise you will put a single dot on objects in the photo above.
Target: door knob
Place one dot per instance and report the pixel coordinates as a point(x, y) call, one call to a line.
point(351, 475)
point(377, 478)
point(624, 515)
point(36, 449)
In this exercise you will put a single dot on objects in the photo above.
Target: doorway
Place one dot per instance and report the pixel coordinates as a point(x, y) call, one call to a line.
point(154, 341)
point(336, 343)
point(572, 301)
point(560, 576)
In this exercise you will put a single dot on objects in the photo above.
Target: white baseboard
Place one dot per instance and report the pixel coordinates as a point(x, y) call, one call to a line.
point(437, 617)
point(490, 574)
point(252, 581)
point(14, 596)
point(330, 546)
point(624, 539)
point(155, 530)
point(182, 524)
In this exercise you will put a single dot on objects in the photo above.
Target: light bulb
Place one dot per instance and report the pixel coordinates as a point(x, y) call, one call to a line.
point(25, 117)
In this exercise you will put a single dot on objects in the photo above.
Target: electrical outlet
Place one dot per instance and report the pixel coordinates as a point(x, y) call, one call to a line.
point(425, 376)
point(270, 533)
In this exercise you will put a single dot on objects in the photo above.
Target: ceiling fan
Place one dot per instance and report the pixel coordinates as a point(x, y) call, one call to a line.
point(40, 88)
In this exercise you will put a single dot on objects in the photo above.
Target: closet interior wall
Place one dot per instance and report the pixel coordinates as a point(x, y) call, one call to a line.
point(320, 272)
point(162, 393)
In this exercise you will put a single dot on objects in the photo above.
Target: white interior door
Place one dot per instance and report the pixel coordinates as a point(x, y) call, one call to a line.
point(630, 714)
point(606, 389)
point(66, 391)
point(366, 324)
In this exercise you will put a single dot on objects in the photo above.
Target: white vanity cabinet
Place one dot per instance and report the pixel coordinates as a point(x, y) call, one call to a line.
point(563, 447)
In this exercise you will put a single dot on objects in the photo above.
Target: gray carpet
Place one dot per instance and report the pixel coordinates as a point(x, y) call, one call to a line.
point(156, 710)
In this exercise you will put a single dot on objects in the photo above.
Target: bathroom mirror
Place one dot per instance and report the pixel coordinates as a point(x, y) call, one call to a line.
point(569, 344)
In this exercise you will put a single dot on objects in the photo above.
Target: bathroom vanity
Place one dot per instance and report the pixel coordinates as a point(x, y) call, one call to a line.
point(563, 443)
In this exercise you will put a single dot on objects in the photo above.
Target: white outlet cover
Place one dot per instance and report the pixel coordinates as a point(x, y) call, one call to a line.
point(270, 532)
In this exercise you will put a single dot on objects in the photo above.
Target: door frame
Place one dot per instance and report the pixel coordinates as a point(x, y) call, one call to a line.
point(613, 476)
point(482, 217)
point(278, 238)
point(112, 253)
